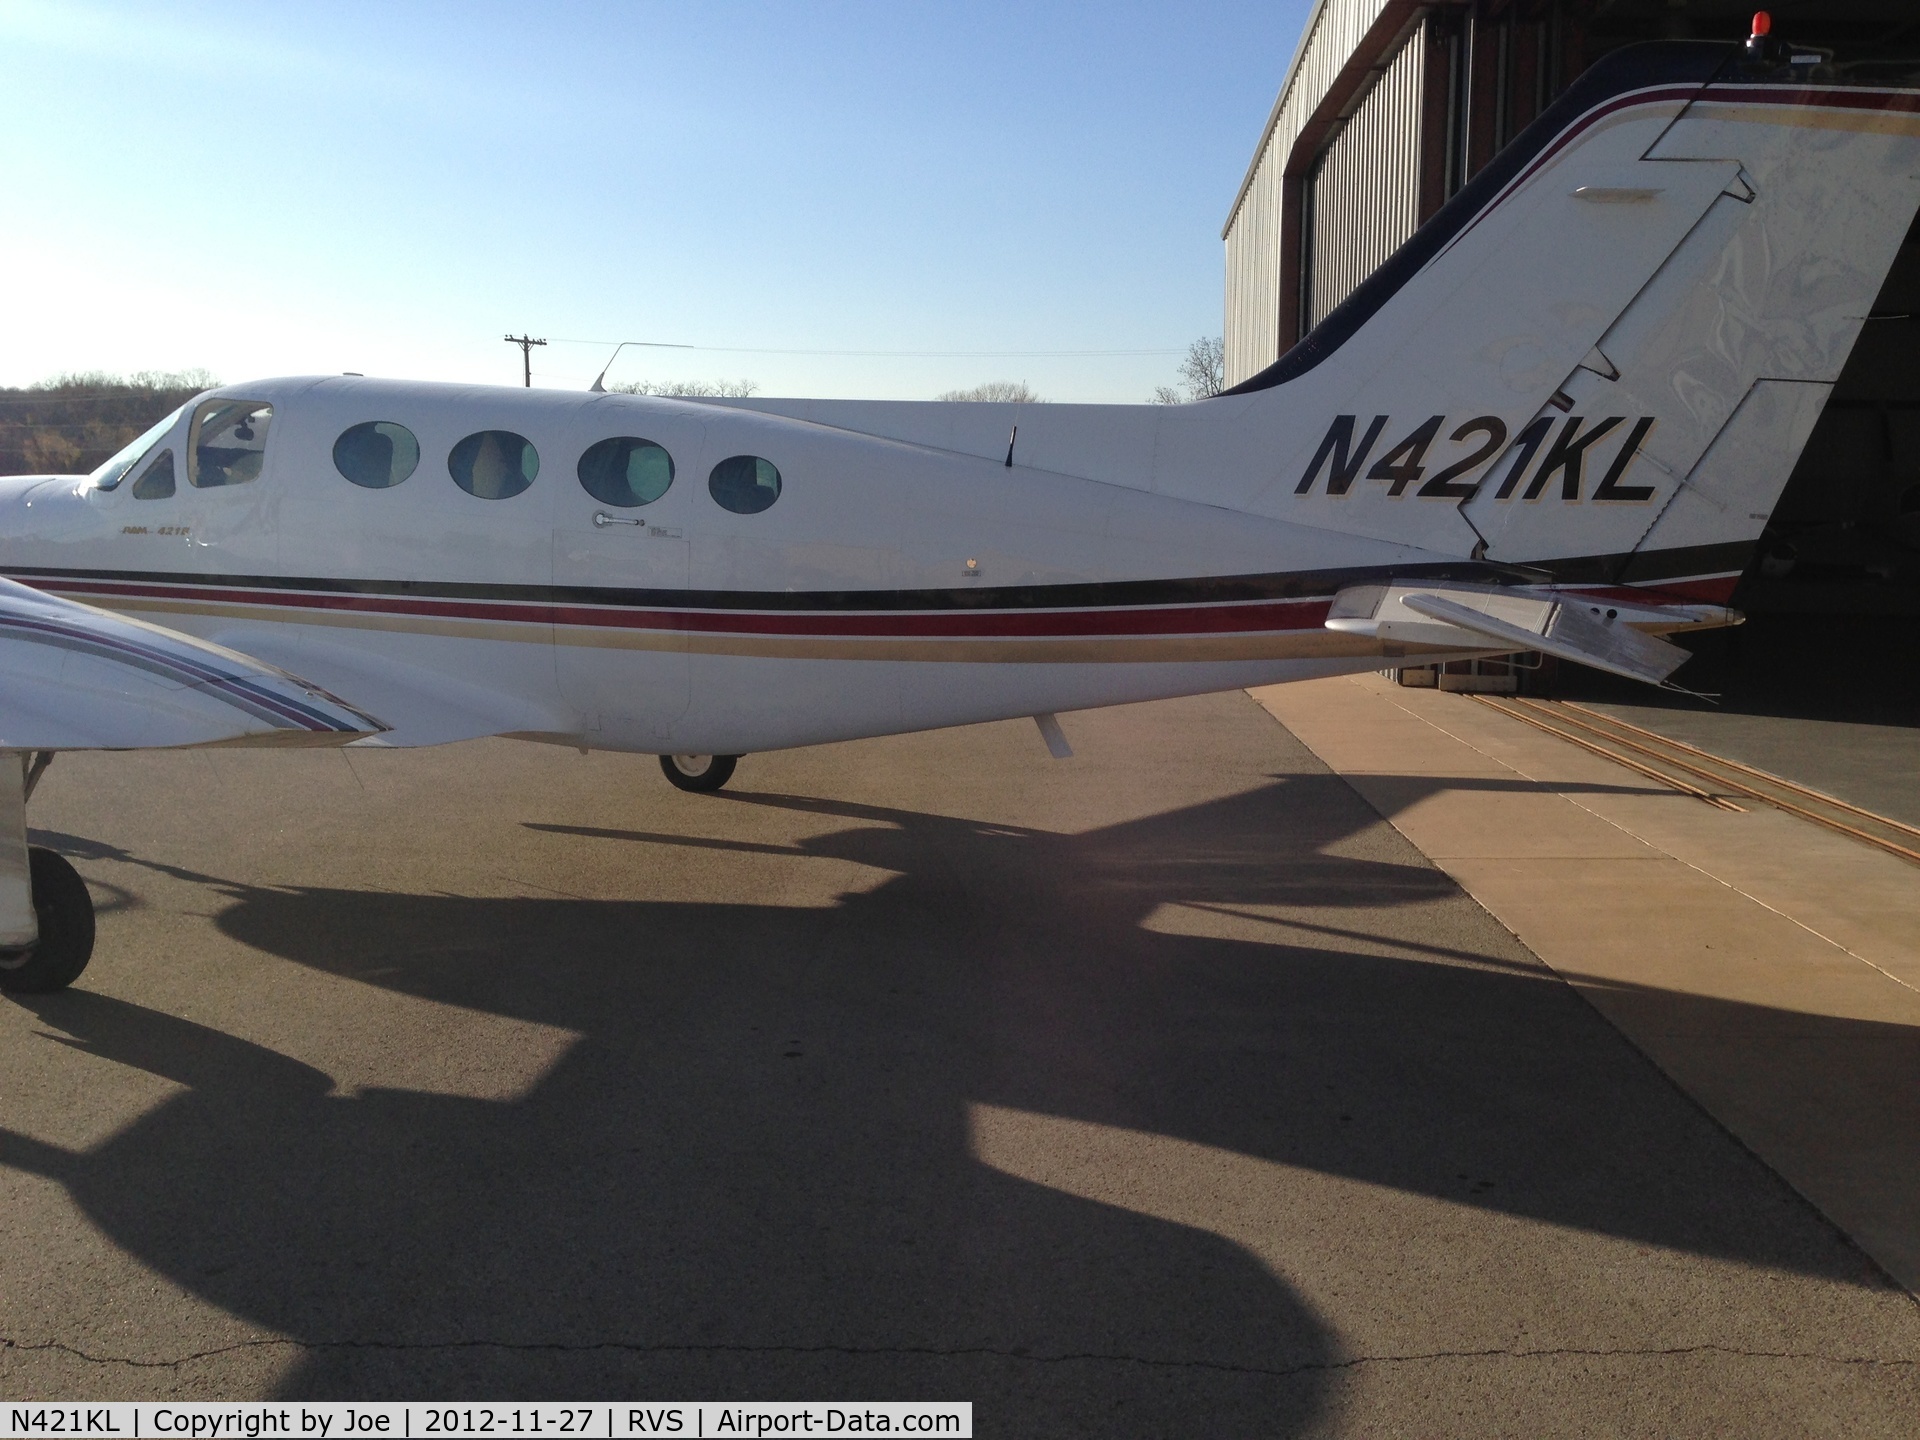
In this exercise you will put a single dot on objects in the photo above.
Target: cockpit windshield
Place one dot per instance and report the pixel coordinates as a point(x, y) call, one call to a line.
point(115, 470)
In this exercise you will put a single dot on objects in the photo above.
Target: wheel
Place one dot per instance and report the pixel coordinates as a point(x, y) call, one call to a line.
point(699, 773)
point(65, 912)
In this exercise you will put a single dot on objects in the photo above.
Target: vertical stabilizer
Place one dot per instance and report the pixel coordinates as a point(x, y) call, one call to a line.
point(1700, 396)
point(1605, 355)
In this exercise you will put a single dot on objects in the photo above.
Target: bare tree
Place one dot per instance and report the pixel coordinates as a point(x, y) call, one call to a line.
point(1203, 373)
point(1016, 392)
point(689, 389)
point(71, 423)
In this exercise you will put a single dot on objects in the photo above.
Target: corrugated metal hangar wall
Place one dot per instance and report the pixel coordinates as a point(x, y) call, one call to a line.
point(1390, 106)
point(1364, 198)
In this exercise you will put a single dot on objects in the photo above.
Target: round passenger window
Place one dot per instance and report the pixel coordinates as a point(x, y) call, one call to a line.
point(377, 454)
point(494, 464)
point(626, 471)
point(744, 484)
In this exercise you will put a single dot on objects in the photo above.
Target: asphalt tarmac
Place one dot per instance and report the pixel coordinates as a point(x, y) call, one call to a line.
point(1161, 1091)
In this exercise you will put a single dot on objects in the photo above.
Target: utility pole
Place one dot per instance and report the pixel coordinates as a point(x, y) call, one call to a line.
point(526, 344)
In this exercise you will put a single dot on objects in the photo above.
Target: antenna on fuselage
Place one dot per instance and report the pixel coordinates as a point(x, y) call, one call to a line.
point(526, 344)
point(599, 381)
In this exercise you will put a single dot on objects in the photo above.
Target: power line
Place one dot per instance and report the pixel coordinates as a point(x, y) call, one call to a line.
point(875, 354)
point(85, 426)
point(132, 398)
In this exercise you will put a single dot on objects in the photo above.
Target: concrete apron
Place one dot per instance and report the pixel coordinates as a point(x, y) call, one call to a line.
point(1769, 966)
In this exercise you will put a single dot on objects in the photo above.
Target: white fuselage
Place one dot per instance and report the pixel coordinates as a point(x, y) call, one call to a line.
point(888, 587)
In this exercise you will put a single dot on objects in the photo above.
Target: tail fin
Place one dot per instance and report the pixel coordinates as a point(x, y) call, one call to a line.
point(1604, 356)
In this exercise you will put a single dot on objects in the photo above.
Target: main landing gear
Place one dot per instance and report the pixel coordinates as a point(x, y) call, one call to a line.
point(46, 915)
point(64, 911)
point(701, 774)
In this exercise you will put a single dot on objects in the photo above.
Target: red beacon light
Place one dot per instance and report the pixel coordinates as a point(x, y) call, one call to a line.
point(1762, 48)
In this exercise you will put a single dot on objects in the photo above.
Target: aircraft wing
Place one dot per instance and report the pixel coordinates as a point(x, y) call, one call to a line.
point(73, 677)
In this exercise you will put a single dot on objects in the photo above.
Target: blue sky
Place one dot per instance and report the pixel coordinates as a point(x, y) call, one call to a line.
point(389, 188)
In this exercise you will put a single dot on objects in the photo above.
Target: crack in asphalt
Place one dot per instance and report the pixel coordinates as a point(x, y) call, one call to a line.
point(962, 1352)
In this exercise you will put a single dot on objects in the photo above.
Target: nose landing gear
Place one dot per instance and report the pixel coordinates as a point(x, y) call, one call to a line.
point(701, 774)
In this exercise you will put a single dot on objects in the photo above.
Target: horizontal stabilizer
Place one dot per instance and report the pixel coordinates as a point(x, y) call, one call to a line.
point(1573, 631)
point(1610, 635)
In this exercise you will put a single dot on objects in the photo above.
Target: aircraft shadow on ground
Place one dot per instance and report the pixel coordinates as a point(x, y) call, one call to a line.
point(752, 1175)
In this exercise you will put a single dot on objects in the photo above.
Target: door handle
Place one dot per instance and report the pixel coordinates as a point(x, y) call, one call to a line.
point(601, 520)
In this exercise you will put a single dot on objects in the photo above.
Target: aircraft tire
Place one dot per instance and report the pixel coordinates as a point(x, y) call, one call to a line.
point(65, 912)
point(702, 774)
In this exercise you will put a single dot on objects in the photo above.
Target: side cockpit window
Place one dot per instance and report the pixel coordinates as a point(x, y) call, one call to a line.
point(156, 481)
point(228, 442)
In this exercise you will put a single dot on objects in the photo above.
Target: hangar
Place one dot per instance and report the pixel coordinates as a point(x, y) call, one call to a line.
point(1389, 106)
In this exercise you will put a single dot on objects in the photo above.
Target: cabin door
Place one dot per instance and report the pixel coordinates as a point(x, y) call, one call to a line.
point(620, 571)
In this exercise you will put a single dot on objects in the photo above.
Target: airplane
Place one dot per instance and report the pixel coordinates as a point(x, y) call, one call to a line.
point(1556, 420)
